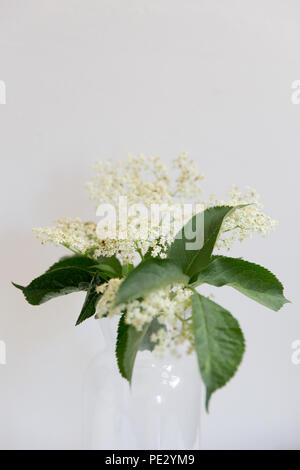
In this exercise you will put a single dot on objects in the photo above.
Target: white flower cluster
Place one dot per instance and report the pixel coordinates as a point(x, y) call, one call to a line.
point(171, 307)
point(105, 307)
point(146, 181)
point(243, 223)
point(142, 181)
point(187, 183)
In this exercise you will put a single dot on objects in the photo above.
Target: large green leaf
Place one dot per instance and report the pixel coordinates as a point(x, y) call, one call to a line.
point(56, 282)
point(90, 303)
point(149, 275)
point(129, 341)
point(206, 226)
point(250, 279)
point(219, 343)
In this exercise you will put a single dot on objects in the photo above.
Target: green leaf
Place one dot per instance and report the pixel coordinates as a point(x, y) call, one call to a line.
point(147, 344)
point(126, 269)
point(129, 341)
point(54, 283)
point(149, 275)
point(219, 343)
point(113, 262)
point(75, 261)
point(106, 268)
point(250, 279)
point(104, 276)
point(90, 303)
point(110, 265)
point(208, 225)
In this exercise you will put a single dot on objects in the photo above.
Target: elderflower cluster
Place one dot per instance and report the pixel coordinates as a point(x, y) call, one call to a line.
point(187, 182)
point(144, 180)
point(244, 222)
point(72, 233)
point(170, 306)
point(167, 305)
point(105, 306)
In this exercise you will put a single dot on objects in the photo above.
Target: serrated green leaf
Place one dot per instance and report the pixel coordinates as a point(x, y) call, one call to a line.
point(219, 343)
point(89, 307)
point(148, 276)
point(129, 340)
point(249, 278)
point(208, 225)
point(54, 283)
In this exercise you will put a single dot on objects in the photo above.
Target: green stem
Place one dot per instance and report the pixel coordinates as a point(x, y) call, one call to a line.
point(139, 251)
point(182, 319)
point(71, 249)
point(195, 284)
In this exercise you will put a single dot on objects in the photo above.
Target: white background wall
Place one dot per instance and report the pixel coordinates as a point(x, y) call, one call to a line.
point(100, 78)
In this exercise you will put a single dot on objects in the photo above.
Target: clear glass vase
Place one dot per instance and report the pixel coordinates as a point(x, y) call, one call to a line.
point(161, 409)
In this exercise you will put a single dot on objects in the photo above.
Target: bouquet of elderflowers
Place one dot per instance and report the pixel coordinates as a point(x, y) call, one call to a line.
point(155, 243)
